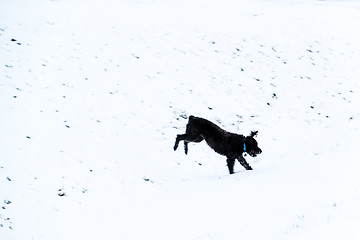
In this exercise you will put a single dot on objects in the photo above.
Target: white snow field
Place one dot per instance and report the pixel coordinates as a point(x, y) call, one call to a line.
point(93, 94)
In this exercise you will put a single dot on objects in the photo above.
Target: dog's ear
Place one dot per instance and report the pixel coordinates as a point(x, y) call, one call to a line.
point(253, 133)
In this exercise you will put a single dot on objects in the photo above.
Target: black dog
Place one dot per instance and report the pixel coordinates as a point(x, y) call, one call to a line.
point(225, 143)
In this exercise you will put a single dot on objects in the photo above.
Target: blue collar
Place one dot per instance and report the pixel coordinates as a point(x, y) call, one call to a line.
point(244, 146)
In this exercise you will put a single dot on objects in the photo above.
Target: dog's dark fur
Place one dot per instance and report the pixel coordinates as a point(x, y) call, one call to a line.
point(225, 143)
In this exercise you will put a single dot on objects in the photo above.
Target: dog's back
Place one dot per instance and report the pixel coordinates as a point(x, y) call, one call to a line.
point(217, 138)
point(204, 127)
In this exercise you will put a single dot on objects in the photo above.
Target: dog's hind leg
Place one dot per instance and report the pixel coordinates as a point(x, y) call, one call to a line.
point(186, 147)
point(230, 164)
point(243, 162)
point(199, 139)
point(187, 138)
point(178, 139)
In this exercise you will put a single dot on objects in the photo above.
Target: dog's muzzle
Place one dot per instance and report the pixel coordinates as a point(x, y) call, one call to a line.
point(255, 152)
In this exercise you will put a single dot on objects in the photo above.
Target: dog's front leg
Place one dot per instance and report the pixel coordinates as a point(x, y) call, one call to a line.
point(230, 164)
point(243, 162)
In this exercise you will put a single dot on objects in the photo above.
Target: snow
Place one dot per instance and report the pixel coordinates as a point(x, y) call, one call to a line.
point(93, 93)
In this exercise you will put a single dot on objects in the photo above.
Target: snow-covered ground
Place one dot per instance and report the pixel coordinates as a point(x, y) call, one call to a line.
point(93, 93)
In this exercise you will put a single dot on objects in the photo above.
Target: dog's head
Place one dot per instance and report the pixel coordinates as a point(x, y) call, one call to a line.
point(252, 145)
